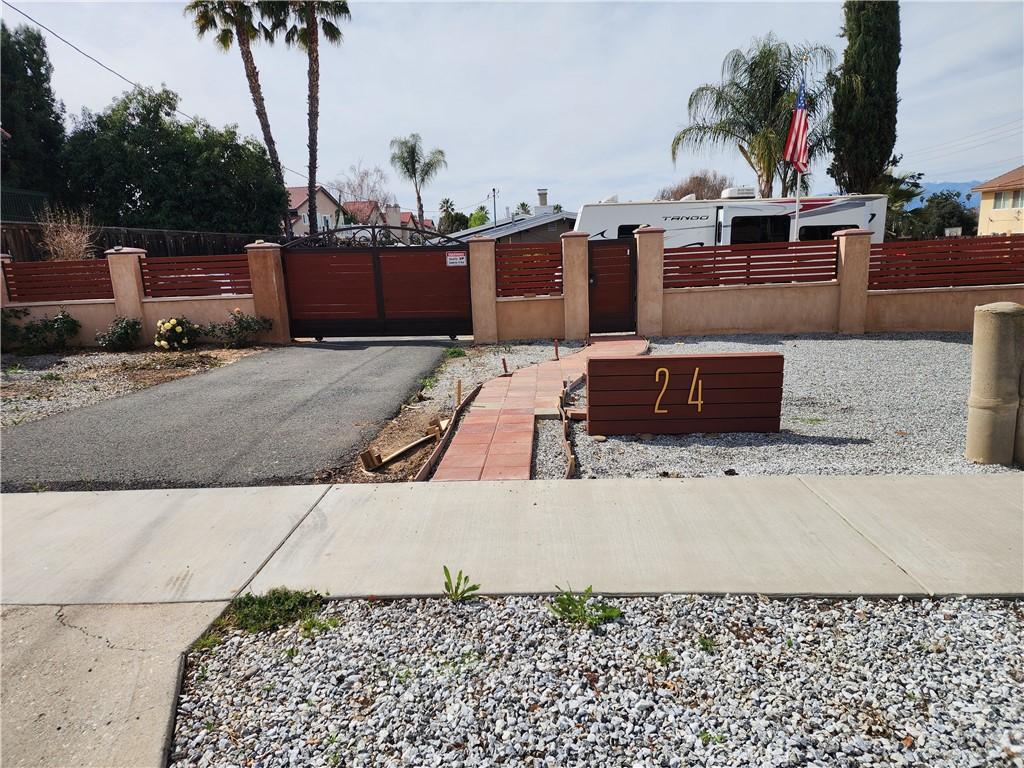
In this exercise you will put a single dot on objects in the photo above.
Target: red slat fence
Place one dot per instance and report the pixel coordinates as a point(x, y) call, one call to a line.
point(990, 260)
point(196, 275)
point(58, 280)
point(753, 264)
point(528, 269)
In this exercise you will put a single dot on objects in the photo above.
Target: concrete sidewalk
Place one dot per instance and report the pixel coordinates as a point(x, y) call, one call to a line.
point(104, 591)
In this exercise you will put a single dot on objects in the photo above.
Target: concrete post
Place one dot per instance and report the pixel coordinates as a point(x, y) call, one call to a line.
point(126, 278)
point(650, 280)
point(483, 290)
point(854, 253)
point(576, 284)
point(269, 294)
point(993, 408)
point(5, 298)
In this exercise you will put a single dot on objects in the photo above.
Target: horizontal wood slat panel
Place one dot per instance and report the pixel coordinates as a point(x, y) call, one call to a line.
point(225, 275)
point(750, 264)
point(533, 269)
point(677, 394)
point(947, 263)
point(58, 280)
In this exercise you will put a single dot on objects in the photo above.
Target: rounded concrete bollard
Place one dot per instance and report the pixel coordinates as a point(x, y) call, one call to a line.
point(994, 406)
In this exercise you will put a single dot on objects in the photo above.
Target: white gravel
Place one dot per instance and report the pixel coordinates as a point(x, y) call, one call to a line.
point(549, 459)
point(677, 681)
point(874, 404)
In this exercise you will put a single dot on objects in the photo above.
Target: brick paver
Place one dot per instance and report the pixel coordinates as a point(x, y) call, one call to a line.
point(495, 439)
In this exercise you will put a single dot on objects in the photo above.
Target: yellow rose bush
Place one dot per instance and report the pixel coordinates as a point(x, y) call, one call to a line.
point(176, 334)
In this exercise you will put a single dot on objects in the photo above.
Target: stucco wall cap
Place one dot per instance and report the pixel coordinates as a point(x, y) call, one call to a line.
point(1002, 308)
point(574, 233)
point(854, 231)
point(648, 230)
point(122, 249)
point(481, 239)
point(262, 245)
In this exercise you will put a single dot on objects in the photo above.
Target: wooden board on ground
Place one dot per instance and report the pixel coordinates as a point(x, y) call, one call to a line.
point(679, 394)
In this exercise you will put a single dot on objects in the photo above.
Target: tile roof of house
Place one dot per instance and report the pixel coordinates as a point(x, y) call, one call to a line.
point(1010, 180)
point(361, 210)
point(504, 227)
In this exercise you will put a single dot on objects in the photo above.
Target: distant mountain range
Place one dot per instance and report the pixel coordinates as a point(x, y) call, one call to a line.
point(963, 187)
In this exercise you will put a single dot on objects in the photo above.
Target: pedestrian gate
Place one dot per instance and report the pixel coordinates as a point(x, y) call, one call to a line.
point(612, 286)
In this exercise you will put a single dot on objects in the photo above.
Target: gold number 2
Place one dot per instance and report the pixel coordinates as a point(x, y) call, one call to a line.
point(657, 378)
point(696, 383)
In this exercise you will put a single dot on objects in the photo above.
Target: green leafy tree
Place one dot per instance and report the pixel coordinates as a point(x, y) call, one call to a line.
point(451, 220)
point(408, 159)
point(557, 208)
point(523, 208)
point(941, 211)
point(30, 113)
point(751, 107)
point(865, 99)
point(236, 23)
point(479, 217)
point(900, 189)
point(304, 22)
point(136, 165)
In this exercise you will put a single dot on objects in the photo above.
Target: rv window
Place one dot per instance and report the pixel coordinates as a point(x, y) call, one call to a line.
point(823, 231)
point(759, 229)
point(626, 230)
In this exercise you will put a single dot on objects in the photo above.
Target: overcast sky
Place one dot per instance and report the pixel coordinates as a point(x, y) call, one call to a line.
point(581, 98)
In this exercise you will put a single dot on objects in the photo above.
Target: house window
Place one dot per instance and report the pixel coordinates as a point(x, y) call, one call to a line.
point(823, 231)
point(1018, 198)
point(305, 218)
point(759, 229)
point(1002, 200)
point(327, 222)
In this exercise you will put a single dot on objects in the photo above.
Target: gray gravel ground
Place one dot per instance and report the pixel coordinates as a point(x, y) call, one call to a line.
point(875, 404)
point(678, 680)
point(549, 459)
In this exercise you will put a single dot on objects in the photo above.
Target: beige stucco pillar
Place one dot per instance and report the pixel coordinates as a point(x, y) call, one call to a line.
point(993, 408)
point(126, 279)
point(854, 253)
point(650, 280)
point(483, 290)
point(5, 298)
point(576, 284)
point(269, 294)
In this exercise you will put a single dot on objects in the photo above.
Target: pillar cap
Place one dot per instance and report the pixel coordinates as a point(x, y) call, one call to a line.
point(122, 249)
point(1001, 308)
point(849, 232)
point(649, 230)
point(574, 233)
point(263, 244)
point(482, 239)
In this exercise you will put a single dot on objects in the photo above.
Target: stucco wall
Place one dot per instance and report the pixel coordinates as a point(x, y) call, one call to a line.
point(201, 310)
point(94, 315)
point(751, 309)
point(1002, 221)
point(933, 309)
point(537, 318)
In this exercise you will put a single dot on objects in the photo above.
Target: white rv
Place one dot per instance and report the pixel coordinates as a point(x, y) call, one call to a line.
point(737, 217)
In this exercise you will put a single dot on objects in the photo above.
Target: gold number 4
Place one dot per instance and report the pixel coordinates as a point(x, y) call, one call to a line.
point(657, 378)
point(696, 383)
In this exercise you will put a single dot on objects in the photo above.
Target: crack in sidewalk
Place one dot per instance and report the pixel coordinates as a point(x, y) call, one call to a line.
point(63, 621)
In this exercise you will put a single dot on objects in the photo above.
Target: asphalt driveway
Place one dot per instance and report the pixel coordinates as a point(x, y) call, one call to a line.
point(273, 418)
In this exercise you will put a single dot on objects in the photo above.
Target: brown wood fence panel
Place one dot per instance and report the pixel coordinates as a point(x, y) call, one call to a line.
point(751, 264)
point(992, 260)
point(679, 394)
point(58, 280)
point(528, 269)
point(21, 239)
point(196, 276)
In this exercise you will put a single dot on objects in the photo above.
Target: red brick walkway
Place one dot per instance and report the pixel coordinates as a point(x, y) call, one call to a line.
point(495, 439)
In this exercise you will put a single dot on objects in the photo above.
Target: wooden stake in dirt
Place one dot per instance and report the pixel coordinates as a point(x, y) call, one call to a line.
point(556, 349)
point(504, 364)
point(458, 392)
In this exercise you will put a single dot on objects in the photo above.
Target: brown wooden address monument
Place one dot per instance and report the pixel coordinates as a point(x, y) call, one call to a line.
point(677, 394)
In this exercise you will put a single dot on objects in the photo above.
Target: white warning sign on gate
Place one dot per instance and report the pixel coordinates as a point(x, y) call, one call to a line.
point(455, 258)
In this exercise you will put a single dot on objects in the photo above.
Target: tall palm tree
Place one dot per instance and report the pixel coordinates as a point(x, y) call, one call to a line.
point(408, 159)
point(523, 208)
point(447, 210)
point(235, 22)
point(751, 108)
point(304, 21)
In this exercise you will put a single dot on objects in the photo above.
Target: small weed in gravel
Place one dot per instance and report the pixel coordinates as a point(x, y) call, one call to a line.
point(314, 625)
point(577, 608)
point(662, 658)
point(460, 589)
point(51, 376)
point(707, 644)
point(263, 613)
point(710, 738)
point(428, 382)
point(453, 352)
point(16, 368)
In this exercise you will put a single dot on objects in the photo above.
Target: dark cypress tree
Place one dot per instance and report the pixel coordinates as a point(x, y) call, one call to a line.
point(865, 98)
point(30, 113)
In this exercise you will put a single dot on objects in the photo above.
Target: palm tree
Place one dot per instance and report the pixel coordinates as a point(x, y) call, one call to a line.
point(752, 106)
point(407, 158)
point(523, 208)
point(234, 22)
point(447, 210)
point(304, 21)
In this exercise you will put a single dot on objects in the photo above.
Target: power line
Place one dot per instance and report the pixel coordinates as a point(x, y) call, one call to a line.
point(971, 137)
point(937, 153)
point(995, 164)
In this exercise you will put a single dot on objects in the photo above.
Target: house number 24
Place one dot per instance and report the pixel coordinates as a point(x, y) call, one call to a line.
point(696, 385)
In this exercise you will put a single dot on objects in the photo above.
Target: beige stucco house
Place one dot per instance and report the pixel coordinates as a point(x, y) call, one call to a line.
point(327, 209)
point(1002, 204)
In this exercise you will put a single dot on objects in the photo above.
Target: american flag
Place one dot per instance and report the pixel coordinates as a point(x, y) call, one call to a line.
point(796, 141)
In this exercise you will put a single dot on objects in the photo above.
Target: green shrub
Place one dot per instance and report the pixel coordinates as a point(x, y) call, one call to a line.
point(121, 335)
point(579, 608)
point(35, 337)
point(264, 613)
point(240, 330)
point(176, 334)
